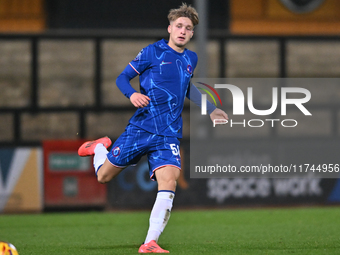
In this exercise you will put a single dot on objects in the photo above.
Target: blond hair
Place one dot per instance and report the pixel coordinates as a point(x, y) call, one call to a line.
point(184, 11)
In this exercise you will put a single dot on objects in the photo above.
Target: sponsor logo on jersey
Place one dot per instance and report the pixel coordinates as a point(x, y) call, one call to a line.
point(165, 63)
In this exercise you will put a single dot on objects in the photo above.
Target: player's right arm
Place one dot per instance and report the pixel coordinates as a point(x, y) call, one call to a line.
point(139, 100)
point(123, 83)
point(134, 68)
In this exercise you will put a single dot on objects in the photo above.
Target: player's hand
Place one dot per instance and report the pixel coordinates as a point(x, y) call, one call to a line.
point(218, 114)
point(139, 100)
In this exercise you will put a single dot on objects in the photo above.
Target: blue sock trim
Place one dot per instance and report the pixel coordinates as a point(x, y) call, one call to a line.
point(98, 169)
point(164, 190)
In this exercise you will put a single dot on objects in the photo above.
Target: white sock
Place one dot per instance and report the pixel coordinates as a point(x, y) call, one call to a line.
point(99, 158)
point(160, 214)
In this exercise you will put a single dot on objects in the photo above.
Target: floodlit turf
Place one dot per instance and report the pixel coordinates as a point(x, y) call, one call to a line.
point(248, 231)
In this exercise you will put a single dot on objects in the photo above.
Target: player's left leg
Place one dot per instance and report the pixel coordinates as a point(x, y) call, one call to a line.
point(166, 177)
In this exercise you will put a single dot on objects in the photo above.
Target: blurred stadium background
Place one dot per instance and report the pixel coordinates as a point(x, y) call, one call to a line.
point(58, 63)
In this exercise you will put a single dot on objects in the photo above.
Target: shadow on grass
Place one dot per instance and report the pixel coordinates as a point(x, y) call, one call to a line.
point(113, 247)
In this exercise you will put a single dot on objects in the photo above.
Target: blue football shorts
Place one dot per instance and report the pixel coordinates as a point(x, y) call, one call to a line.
point(136, 142)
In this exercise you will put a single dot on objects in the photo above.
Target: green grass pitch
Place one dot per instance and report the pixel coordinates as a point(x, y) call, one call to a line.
point(235, 231)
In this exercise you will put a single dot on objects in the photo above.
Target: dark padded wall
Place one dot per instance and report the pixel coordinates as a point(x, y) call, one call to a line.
point(113, 14)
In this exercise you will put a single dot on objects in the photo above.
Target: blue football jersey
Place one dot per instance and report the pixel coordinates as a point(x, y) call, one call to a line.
point(164, 76)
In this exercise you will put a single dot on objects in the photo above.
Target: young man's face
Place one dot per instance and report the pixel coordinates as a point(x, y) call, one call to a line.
point(181, 30)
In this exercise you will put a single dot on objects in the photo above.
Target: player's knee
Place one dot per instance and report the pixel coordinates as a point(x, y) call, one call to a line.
point(102, 178)
point(169, 184)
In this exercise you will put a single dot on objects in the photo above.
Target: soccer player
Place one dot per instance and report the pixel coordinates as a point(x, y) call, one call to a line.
point(165, 69)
